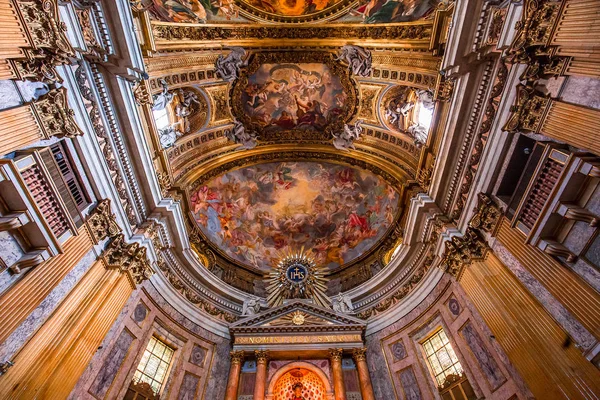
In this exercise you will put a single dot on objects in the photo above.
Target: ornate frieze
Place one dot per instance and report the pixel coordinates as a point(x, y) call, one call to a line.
point(212, 33)
point(104, 142)
point(476, 151)
point(191, 295)
point(461, 251)
point(54, 116)
point(129, 259)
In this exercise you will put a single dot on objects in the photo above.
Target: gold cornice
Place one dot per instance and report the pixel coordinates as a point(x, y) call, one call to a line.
point(271, 153)
point(174, 36)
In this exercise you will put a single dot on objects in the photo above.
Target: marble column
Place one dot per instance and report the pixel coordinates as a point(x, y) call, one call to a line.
point(364, 379)
point(335, 355)
point(237, 358)
point(262, 358)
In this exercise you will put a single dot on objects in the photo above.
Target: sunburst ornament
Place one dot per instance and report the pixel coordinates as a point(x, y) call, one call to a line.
point(296, 276)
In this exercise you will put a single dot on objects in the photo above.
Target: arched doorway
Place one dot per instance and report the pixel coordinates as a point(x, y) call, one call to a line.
point(316, 385)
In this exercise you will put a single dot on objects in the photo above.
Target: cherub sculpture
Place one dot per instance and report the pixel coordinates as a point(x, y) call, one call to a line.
point(251, 306)
point(162, 99)
point(342, 304)
point(168, 136)
point(228, 68)
point(239, 135)
point(344, 140)
point(359, 60)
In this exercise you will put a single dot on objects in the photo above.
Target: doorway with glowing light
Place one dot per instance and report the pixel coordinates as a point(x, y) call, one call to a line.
point(301, 379)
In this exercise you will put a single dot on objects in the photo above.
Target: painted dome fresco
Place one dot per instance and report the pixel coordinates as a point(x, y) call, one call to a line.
point(257, 213)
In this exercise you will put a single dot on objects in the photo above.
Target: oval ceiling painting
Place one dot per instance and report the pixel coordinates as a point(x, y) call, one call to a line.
point(256, 214)
point(293, 10)
point(293, 96)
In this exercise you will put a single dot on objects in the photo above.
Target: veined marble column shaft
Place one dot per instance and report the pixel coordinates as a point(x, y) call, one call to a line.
point(335, 355)
point(262, 358)
point(237, 357)
point(364, 379)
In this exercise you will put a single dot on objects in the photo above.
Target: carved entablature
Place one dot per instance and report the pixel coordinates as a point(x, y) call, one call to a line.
point(129, 259)
point(487, 214)
point(460, 252)
point(300, 325)
point(102, 222)
point(54, 116)
point(528, 111)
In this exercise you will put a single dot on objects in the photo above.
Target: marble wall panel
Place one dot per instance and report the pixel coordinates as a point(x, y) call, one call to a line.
point(488, 365)
point(410, 386)
point(110, 368)
point(189, 387)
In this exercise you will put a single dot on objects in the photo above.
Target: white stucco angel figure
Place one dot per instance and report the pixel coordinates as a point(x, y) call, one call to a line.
point(397, 113)
point(359, 60)
point(228, 68)
point(344, 140)
point(251, 306)
point(426, 98)
point(239, 135)
point(342, 304)
point(168, 136)
point(162, 99)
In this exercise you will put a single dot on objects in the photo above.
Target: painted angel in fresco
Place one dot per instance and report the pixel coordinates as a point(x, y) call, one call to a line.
point(179, 10)
point(385, 11)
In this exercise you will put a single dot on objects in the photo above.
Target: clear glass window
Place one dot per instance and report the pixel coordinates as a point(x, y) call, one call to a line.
point(154, 364)
point(161, 117)
point(441, 357)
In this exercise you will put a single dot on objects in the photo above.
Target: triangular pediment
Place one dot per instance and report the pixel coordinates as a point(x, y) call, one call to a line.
point(298, 314)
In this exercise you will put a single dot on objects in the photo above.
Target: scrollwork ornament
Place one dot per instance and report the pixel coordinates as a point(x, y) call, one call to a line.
point(129, 259)
point(102, 222)
point(487, 214)
point(54, 115)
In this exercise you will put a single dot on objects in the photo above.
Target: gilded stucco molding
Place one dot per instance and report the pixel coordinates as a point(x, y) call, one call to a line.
point(102, 223)
point(528, 111)
point(487, 214)
point(164, 32)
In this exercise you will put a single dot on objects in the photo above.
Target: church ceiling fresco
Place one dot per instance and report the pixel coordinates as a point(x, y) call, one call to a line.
point(284, 93)
point(367, 11)
point(293, 96)
point(254, 214)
